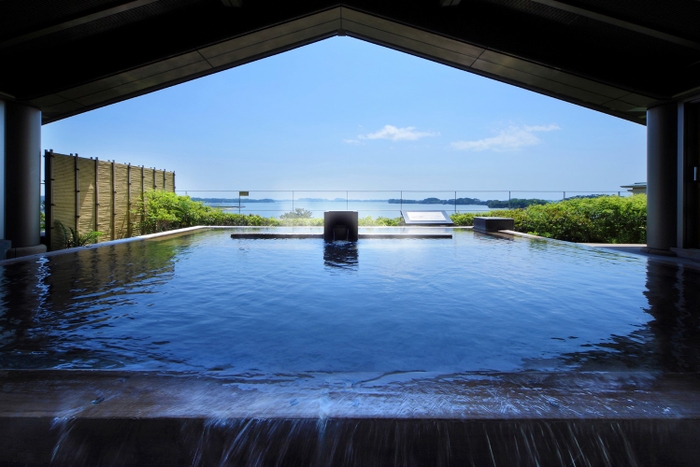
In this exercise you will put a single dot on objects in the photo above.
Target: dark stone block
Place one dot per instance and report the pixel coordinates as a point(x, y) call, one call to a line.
point(493, 224)
point(340, 225)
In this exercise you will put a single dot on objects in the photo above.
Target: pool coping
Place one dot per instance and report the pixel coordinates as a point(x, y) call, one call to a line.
point(189, 230)
point(539, 395)
point(361, 236)
point(92, 417)
point(632, 249)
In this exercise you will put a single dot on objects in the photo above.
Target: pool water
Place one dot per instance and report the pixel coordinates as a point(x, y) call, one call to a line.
point(210, 304)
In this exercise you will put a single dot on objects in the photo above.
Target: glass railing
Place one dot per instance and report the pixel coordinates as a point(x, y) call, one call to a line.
point(378, 203)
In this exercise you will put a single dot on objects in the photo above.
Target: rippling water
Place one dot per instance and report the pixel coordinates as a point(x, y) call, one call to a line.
point(208, 303)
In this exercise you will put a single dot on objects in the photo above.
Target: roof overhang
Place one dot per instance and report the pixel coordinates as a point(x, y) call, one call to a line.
point(342, 21)
point(72, 57)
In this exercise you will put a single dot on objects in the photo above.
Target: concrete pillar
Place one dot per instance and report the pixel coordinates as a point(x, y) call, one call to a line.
point(689, 178)
point(2, 171)
point(22, 178)
point(662, 178)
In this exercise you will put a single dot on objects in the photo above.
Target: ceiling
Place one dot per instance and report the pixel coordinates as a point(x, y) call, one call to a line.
point(615, 56)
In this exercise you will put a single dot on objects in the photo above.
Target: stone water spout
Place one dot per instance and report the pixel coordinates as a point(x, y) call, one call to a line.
point(340, 226)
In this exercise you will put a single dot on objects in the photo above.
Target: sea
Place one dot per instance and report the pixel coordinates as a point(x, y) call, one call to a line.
point(364, 208)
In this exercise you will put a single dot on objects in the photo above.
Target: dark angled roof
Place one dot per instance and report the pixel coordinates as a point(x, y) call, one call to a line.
point(615, 56)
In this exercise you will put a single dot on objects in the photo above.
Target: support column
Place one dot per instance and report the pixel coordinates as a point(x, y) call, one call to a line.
point(662, 178)
point(4, 243)
point(689, 179)
point(22, 178)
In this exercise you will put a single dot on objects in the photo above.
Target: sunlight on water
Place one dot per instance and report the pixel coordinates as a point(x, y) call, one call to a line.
point(209, 303)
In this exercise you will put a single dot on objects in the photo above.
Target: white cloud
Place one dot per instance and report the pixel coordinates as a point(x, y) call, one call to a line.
point(352, 141)
point(550, 127)
point(393, 133)
point(512, 138)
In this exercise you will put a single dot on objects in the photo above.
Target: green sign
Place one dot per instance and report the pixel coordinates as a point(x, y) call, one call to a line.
point(242, 193)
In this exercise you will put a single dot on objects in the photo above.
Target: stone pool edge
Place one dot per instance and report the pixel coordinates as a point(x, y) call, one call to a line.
point(487, 395)
point(76, 418)
point(176, 233)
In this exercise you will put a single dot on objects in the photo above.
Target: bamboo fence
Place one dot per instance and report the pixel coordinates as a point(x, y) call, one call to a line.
point(90, 195)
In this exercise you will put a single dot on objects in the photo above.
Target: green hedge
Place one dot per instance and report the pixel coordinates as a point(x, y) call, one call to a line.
point(163, 210)
point(606, 219)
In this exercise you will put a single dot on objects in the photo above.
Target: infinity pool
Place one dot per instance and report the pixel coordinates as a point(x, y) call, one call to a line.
point(210, 304)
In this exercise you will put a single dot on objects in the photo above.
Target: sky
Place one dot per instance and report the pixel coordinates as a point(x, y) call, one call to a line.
point(343, 114)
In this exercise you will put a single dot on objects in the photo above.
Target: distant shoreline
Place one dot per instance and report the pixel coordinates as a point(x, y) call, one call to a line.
point(513, 203)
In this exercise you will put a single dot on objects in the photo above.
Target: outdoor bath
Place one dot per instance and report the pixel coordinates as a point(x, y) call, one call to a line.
point(200, 349)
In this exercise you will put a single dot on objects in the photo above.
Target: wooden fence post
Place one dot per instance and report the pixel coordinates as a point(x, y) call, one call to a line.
point(76, 174)
point(143, 218)
point(114, 202)
point(97, 195)
point(128, 200)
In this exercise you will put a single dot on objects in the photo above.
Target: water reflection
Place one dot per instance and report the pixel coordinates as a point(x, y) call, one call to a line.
point(341, 256)
point(669, 342)
point(45, 304)
point(20, 301)
point(88, 309)
point(674, 303)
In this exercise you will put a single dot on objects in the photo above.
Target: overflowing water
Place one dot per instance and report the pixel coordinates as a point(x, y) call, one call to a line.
point(370, 353)
point(370, 443)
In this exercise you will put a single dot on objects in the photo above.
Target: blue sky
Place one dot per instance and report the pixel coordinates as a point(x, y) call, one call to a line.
point(349, 115)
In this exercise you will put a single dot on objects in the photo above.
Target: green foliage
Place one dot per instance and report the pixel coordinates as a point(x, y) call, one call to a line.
point(516, 203)
point(303, 221)
point(369, 221)
point(604, 219)
point(467, 218)
point(164, 210)
point(298, 213)
point(70, 238)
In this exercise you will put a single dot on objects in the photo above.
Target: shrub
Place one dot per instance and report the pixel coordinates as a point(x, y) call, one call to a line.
point(467, 218)
point(303, 221)
point(69, 238)
point(298, 213)
point(605, 219)
point(370, 221)
point(164, 210)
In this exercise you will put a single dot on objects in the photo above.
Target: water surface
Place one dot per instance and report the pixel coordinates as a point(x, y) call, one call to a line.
point(212, 304)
